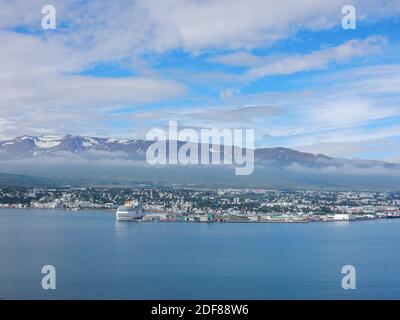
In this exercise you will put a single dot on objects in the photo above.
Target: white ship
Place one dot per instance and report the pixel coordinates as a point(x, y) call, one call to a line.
point(131, 211)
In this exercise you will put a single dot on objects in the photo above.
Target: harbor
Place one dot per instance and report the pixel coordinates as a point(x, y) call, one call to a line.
point(210, 205)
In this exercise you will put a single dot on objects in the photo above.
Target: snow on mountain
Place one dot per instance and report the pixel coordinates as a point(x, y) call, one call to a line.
point(47, 142)
point(56, 145)
point(51, 145)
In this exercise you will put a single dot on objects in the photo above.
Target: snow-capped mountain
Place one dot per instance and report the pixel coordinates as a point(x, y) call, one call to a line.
point(96, 148)
point(50, 145)
point(56, 145)
point(74, 159)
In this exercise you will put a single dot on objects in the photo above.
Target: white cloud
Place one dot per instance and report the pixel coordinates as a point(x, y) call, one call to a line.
point(284, 65)
point(198, 25)
point(42, 74)
point(382, 148)
point(238, 58)
point(228, 93)
point(114, 29)
point(239, 115)
point(347, 169)
point(336, 114)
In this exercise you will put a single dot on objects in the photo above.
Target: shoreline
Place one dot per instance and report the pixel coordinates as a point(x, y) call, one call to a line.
point(288, 221)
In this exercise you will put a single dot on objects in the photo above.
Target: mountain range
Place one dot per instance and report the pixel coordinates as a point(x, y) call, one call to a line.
point(135, 149)
point(123, 160)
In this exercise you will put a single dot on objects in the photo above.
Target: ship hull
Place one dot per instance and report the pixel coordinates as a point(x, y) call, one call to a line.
point(129, 214)
point(129, 217)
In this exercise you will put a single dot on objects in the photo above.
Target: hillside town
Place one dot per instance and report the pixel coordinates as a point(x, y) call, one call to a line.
point(213, 205)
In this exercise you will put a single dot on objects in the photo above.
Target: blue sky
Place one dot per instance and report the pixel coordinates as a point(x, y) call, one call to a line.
point(288, 70)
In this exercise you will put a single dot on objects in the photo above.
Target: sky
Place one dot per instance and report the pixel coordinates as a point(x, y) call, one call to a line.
point(286, 69)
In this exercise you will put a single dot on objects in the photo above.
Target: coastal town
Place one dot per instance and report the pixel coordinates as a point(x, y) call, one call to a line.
point(195, 204)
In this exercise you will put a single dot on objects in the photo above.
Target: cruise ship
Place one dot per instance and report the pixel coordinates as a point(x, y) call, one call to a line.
point(131, 211)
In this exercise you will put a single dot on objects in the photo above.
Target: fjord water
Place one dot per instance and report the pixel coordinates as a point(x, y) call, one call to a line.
point(98, 258)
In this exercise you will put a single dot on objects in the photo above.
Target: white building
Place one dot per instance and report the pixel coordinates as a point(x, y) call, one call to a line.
point(343, 217)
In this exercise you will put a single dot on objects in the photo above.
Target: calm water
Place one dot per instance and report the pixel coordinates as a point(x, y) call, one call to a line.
point(96, 257)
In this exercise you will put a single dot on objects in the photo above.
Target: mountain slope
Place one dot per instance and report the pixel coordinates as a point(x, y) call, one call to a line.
point(18, 180)
point(89, 160)
point(28, 146)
